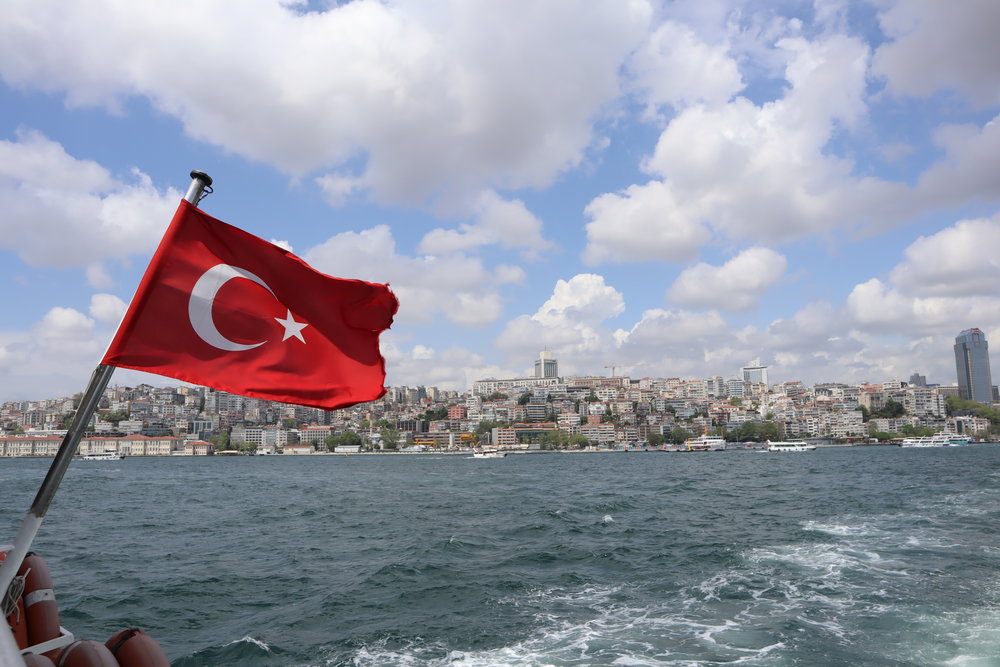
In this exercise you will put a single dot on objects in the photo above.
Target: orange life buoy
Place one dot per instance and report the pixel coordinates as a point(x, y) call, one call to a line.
point(35, 660)
point(86, 653)
point(17, 620)
point(135, 648)
point(39, 601)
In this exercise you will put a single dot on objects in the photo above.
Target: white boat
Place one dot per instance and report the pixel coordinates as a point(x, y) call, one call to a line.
point(939, 440)
point(488, 454)
point(704, 443)
point(790, 446)
point(103, 456)
point(959, 439)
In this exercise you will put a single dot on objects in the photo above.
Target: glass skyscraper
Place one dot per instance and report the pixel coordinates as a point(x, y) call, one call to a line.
point(754, 373)
point(972, 362)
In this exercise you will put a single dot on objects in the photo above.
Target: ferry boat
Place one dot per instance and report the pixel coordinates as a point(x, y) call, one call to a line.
point(790, 446)
point(939, 440)
point(704, 443)
point(103, 456)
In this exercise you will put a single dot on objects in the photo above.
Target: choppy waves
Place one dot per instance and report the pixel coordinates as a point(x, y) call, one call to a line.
point(845, 557)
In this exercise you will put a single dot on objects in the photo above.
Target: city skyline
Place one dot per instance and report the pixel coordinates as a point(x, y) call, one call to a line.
point(668, 188)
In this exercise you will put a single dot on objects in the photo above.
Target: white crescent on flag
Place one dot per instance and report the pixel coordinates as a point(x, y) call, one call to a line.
point(203, 297)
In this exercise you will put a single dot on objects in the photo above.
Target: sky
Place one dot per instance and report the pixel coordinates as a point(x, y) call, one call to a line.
point(673, 189)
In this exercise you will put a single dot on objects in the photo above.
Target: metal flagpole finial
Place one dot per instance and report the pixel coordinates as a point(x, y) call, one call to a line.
point(201, 187)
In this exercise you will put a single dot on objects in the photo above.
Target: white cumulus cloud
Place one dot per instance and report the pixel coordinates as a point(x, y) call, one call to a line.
point(107, 309)
point(422, 99)
point(60, 211)
point(65, 324)
point(569, 323)
point(456, 285)
point(675, 67)
point(645, 222)
point(752, 171)
point(940, 46)
point(736, 285)
point(507, 223)
point(958, 261)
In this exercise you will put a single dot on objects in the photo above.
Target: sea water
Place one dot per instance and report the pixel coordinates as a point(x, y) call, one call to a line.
point(841, 556)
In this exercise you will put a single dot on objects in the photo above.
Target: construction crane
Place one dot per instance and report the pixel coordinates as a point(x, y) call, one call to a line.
point(614, 366)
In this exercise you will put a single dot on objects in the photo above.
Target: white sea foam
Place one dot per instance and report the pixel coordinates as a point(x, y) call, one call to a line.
point(662, 633)
point(840, 529)
point(607, 519)
point(824, 560)
point(964, 639)
point(251, 640)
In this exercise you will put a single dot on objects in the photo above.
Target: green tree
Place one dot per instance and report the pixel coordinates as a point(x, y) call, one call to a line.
point(771, 430)
point(113, 416)
point(347, 438)
point(957, 407)
point(679, 434)
point(496, 396)
point(555, 439)
point(657, 439)
point(524, 398)
point(390, 438)
point(756, 432)
point(436, 414)
point(891, 410)
point(487, 426)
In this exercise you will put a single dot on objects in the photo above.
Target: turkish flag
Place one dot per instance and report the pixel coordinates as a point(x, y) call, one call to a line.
point(222, 308)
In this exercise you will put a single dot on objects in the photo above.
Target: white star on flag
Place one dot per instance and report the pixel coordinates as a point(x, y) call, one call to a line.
point(292, 328)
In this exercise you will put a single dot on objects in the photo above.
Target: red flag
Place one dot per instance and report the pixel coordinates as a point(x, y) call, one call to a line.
point(222, 308)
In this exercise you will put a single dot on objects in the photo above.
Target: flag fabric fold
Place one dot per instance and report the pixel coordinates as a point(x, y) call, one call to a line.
point(220, 307)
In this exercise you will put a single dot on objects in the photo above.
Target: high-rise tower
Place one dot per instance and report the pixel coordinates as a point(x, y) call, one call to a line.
point(972, 362)
point(754, 373)
point(546, 366)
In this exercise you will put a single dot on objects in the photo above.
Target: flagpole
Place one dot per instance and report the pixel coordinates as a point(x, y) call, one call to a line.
point(201, 185)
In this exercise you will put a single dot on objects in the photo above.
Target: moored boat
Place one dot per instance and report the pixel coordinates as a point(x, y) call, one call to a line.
point(704, 443)
point(938, 440)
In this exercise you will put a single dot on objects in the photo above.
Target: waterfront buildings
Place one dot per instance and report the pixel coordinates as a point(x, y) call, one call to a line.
point(616, 411)
point(972, 363)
